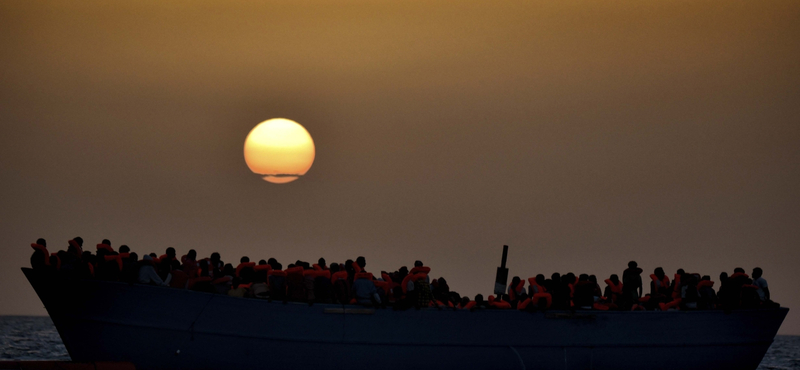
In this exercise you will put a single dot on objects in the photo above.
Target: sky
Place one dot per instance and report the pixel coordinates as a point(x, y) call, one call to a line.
point(583, 134)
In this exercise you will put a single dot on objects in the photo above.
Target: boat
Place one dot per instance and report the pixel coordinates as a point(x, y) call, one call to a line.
point(164, 328)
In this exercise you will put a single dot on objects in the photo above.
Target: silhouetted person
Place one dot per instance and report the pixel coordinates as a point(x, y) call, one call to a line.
point(148, 274)
point(479, 302)
point(631, 285)
point(736, 282)
point(321, 264)
point(761, 284)
point(689, 293)
point(613, 290)
point(659, 284)
point(707, 296)
point(40, 259)
point(560, 292)
point(584, 293)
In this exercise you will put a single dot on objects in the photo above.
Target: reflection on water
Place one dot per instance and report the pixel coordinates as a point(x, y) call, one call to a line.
point(35, 338)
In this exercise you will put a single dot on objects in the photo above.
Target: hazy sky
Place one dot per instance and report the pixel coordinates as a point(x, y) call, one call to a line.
point(583, 134)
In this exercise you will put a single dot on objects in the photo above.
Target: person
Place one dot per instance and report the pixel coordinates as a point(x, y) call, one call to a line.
point(147, 273)
point(613, 289)
point(689, 293)
point(320, 265)
point(40, 258)
point(560, 292)
point(707, 297)
point(631, 285)
point(584, 293)
point(169, 254)
point(361, 264)
point(189, 263)
point(761, 284)
point(660, 285)
point(364, 290)
point(422, 290)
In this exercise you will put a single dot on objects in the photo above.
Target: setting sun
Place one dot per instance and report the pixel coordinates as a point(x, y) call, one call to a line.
point(280, 150)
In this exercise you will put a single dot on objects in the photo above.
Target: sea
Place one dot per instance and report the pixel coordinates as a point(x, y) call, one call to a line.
point(34, 338)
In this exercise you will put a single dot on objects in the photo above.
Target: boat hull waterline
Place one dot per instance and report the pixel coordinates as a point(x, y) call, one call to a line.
point(163, 328)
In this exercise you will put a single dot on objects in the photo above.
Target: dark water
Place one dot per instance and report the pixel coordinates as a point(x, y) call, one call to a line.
point(35, 338)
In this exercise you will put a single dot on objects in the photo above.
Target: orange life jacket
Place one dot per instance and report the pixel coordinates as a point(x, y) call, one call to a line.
point(106, 247)
point(77, 246)
point(600, 307)
point(615, 289)
point(521, 305)
point(42, 248)
point(547, 297)
point(339, 275)
point(164, 256)
point(115, 257)
point(319, 268)
point(498, 303)
point(738, 274)
point(276, 273)
point(514, 291)
point(262, 268)
point(221, 280)
point(535, 287)
point(363, 275)
point(244, 265)
point(125, 255)
point(663, 283)
point(246, 286)
point(386, 277)
point(469, 305)
point(412, 277)
point(356, 267)
point(676, 291)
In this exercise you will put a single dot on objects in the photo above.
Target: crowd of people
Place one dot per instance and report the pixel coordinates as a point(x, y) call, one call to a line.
point(351, 283)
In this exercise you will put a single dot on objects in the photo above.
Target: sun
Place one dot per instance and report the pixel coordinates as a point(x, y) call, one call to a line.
point(279, 150)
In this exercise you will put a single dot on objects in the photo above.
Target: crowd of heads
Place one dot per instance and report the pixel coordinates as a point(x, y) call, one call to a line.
point(351, 283)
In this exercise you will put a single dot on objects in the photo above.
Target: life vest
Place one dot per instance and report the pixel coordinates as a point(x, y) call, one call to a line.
point(381, 285)
point(410, 278)
point(164, 256)
point(616, 290)
point(42, 248)
point(91, 268)
point(738, 274)
point(115, 257)
point(705, 283)
point(422, 269)
point(514, 291)
point(125, 255)
point(363, 275)
point(534, 287)
point(469, 305)
point(319, 268)
point(356, 267)
point(600, 307)
point(77, 246)
point(498, 303)
point(221, 280)
point(521, 305)
point(262, 268)
point(339, 275)
point(246, 286)
point(105, 247)
point(244, 265)
point(386, 277)
point(663, 283)
point(674, 304)
point(676, 291)
point(538, 297)
point(276, 273)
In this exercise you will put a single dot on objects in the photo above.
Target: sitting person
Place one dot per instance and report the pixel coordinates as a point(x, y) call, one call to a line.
point(147, 273)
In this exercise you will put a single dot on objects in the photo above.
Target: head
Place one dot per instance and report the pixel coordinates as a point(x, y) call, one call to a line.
point(479, 298)
point(244, 259)
point(583, 277)
point(403, 270)
point(153, 255)
point(348, 266)
point(738, 270)
point(334, 268)
point(632, 265)
point(106, 242)
point(515, 281)
point(78, 240)
point(361, 262)
point(192, 255)
point(133, 257)
point(593, 279)
point(555, 276)
point(723, 276)
point(262, 262)
point(41, 242)
point(659, 272)
point(215, 257)
point(124, 249)
point(321, 262)
point(614, 278)
point(170, 252)
point(706, 277)
point(418, 263)
point(757, 272)
point(228, 270)
point(540, 279)
point(273, 262)
point(681, 272)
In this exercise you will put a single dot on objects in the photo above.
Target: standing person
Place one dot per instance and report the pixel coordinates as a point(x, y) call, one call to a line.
point(631, 285)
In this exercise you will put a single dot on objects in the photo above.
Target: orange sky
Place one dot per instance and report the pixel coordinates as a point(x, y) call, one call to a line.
point(583, 134)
